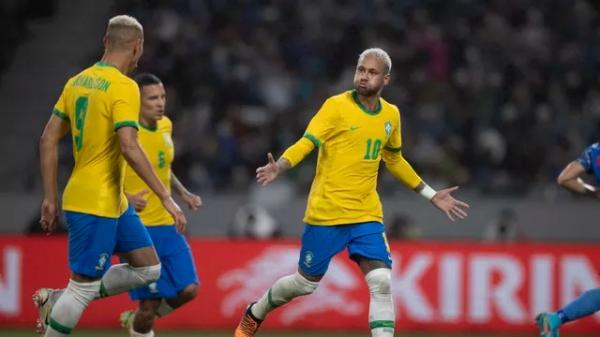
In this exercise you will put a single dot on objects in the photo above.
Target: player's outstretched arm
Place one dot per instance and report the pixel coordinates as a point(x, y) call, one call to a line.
point(268, 173)
point(192, 200)
point(136, 158)
point(570, 178)
point(55, 129)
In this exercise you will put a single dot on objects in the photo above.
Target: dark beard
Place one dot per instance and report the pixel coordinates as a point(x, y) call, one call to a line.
point(366, 92)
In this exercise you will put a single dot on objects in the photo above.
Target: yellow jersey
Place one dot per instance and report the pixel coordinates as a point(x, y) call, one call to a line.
point(158, 146)
point(96, 102)
point(351, 140)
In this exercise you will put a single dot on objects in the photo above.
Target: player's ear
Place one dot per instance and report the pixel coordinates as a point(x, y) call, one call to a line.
point(386, 79)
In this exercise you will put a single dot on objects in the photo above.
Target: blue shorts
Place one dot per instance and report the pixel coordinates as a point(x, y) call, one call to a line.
point(177, 265)
point(321, 243)
point(94, 239)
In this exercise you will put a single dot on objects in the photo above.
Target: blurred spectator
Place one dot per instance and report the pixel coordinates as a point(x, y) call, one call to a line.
point(489, 91)
point(503, 228)
point(254, 222)
point(402, 228)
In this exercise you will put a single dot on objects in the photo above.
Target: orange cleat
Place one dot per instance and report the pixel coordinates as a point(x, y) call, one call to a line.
point(248, 325)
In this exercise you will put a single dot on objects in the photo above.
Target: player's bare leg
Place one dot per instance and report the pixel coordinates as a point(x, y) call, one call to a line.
point(381, 306)
point(141, 322)
point(283, 290)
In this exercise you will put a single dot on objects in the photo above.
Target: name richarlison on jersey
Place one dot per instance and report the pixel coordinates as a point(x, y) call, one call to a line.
point(96, 83)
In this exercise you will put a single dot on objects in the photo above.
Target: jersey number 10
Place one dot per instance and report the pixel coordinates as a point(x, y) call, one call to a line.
point(372, 154)
point(81, 106)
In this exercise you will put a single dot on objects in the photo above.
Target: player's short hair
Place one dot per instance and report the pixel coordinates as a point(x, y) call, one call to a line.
point(381, 55)
point(145, 79)
point(122, 30)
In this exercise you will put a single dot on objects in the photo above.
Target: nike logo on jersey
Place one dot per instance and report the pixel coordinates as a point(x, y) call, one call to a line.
point(352, 128)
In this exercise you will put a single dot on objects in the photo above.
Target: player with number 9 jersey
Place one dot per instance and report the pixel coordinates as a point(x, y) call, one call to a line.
point(97, 101)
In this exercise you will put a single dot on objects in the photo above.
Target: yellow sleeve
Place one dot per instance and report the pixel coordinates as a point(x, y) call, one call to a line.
point(60, 108)
point(395, 162)
point(324, 124)
point(401, 169)
point(126, 105)
point(295, 153)
point(320, 129)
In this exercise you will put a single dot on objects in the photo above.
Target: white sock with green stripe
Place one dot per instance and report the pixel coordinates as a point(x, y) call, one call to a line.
point(283, 290)
point(70, 305)
point(381, 307)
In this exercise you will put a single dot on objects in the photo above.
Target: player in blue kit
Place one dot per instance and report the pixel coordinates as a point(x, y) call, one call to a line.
point(588, 303)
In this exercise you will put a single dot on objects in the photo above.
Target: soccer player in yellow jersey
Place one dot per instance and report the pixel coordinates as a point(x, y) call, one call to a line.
point(178, 282)
point(353, 132)
point(100, 107)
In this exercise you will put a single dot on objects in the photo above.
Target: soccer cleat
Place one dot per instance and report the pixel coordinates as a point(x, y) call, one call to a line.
point(248, 325)
point(126, 319)
point(44, 299)
point(548, 323)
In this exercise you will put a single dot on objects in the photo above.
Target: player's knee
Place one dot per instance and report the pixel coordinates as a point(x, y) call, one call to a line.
point(189, 293)
point(379, 281)
point(302, 286)
point(148, 274)
point(83, 292)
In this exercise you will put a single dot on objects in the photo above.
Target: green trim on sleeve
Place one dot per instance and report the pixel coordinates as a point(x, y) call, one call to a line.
point(59, 327)
point(381, 324)
point(132, 124)
point(60, 114)
point(312, 138)
point(393, 149)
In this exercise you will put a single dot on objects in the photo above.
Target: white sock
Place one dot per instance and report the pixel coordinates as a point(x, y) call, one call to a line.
point(123, 277)
point(70, 305)
point(381, 306)
point(283, 290)
point(139, 334)
point(164, 308)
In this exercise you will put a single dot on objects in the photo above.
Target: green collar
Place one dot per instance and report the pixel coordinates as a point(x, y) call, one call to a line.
point(364, 108)
point(149, 128)
point(104, 64)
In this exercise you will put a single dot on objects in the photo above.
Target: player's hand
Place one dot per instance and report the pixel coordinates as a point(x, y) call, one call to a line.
point(138, 200)
point(171, 206)
point(49, 216)
point(446, 203)
point(193, 201)
point(266, 174)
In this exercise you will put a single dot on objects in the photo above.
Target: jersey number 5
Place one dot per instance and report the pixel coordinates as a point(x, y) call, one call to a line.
point(374, 152)
point(81, 106)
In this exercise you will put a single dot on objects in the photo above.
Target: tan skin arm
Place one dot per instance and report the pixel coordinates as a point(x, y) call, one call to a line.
point(570, 178)
point(136, 158)
point(55, 130)
point(192, 200)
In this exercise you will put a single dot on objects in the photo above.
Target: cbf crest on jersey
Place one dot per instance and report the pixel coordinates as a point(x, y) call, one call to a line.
point(168, 140)
point(388, 129)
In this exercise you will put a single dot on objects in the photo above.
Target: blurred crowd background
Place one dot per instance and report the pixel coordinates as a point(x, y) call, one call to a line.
point(495, 96)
